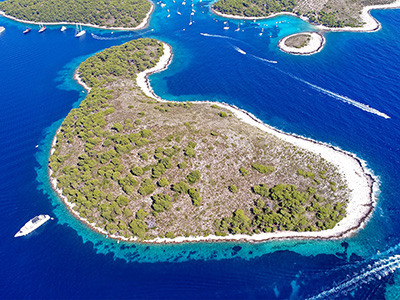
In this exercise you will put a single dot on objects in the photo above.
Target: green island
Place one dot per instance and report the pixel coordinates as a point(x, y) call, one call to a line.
point(109, 13)
point(331, 13)
point(134, 167)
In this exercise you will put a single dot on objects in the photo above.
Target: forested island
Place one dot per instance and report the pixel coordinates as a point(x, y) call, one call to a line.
point(138, 168)
point(331, 13)
point(108, 13)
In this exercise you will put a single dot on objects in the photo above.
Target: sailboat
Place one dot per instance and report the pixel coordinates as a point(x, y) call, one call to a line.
point(237, 29)
point(63, 28)
point(178, 12)
point(190, 23)
point(78, 31)
point(42, 28)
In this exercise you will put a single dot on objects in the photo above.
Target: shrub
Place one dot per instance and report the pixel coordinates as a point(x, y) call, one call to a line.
point(194, 176)
point(147, 187)
point(233, 188)
point(261, 190)
point(163, 182)
point(243, 171)
point(262, 168)
point(222, 114)
point(161, 202)
point(180, 187)
point(182, 165)
point(122, 200)
point(137, 171)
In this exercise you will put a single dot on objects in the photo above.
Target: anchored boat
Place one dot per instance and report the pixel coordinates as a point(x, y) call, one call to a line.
point(32, 224)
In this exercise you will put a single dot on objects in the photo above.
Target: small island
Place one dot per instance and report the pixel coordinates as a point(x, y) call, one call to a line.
point(304, 43)
point(328, 15)
point(138, 168)
point(109, 14)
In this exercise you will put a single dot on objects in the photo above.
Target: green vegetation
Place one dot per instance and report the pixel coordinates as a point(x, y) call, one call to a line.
point(167, 176)
point(253, 8)
point(330, 13)
point(108, 13)
point(262, 169)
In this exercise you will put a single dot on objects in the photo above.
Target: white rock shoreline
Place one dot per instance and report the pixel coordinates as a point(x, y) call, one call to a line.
point(142, 25)
point(361, 182)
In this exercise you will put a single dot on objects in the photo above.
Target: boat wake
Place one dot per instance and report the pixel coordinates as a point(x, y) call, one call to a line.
point(266, 60)
point(120, 37)
point(262, 59)
point(344, 99)
point(376, 271)
point(103, 38)
point(217, 36)
point(336, 96)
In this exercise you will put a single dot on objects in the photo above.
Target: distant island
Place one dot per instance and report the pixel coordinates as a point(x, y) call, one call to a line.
point(329, 15)
point(140, 169)
point(113, 14)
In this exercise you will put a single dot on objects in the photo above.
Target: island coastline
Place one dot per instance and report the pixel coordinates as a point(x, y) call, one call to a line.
point(142, 25)
point(315, 45)
point(362, 183)
point(370, 23)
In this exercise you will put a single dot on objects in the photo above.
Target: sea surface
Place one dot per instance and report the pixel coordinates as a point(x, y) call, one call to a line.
point(346, 95)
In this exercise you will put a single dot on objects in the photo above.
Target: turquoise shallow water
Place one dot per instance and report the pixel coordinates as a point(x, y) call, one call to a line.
point(64, 259)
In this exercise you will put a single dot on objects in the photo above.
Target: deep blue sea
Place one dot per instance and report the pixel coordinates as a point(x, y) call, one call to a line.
point(337, 96)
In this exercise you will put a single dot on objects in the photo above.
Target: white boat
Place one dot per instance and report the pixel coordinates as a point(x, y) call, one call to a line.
point(2, 29)
point(226, 27)
point(42, 28)
point(78, 31)
point(163, 4)
point(32, 224)
point(178, 12)
point(63, 28)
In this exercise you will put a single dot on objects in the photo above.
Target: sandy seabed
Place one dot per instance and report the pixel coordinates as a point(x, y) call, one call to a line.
point(360, 181)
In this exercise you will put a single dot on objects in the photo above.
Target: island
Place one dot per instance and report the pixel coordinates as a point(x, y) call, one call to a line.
point(109, 14)
point(328, 15)
point(135, 167)
point(304, 43)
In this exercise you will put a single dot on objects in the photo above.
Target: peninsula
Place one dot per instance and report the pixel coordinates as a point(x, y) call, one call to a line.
point(138, 168)
point(111, 14)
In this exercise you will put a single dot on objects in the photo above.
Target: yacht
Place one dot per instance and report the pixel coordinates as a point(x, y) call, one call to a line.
point(79, 31)
point(42, 28)
point(63, 28)
point(32, 224)
point(27, 30)
point(2, 29)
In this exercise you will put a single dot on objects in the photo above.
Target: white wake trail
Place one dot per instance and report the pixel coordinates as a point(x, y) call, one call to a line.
point(373, 272)
point(266, 60)
point(218, 36)
point(344, 99)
